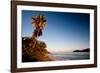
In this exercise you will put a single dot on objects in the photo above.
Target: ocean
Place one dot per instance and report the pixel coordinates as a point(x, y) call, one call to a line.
point(71, 55)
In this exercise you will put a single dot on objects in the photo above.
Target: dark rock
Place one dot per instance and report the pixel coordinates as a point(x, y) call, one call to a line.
point(34, 50)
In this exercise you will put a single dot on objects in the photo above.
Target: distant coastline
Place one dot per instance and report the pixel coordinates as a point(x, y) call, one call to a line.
point(84, 50)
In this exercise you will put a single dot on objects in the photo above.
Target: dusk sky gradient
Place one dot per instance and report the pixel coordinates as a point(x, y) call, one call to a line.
point(64, 31)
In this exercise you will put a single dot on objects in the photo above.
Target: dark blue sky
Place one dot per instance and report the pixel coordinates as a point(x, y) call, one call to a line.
point(64, 31)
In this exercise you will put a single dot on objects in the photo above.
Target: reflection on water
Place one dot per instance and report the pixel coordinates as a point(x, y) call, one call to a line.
point(71, 55)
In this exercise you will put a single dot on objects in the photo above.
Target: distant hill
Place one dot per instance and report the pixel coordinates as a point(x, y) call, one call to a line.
point(84, 50)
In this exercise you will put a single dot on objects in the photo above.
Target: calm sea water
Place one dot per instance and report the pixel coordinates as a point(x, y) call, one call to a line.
point(71, 56)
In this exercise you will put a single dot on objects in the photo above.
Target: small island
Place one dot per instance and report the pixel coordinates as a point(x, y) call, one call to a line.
point(84, 50)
